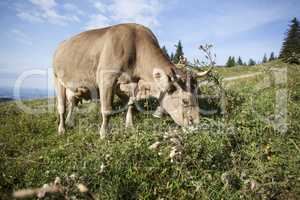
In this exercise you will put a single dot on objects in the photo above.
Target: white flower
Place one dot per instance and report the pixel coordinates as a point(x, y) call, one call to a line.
point(154, 146)
point(82, 188)
point(102, 167)
point(252, 185)
point(173, 153)
point(73, 176)
point(57, 181)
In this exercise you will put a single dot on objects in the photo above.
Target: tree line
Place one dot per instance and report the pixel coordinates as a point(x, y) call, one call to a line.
point(174, 57)
point(290, 50)
point(231, 62)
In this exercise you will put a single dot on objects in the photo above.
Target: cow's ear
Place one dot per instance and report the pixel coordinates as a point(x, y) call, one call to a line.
point(144, 90)
point(171, 89)
point(162, 81)
point(129, 89)
point(147, 89)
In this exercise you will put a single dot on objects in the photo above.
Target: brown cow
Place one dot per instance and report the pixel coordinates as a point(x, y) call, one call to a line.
point(95, 60)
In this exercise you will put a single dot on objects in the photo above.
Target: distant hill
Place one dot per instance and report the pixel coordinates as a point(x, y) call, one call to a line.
point(25, 93)
point(5, 99)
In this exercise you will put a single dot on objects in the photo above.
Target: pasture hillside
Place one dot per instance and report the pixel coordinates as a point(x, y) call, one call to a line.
point(250, 151)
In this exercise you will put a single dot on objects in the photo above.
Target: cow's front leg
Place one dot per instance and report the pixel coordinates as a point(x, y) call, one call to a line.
point(106, 98)
point(159, 112)
point(70, 121)
point(129, 117)
point(129, 89)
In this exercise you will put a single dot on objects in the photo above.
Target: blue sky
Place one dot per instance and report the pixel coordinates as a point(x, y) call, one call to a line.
point(32, 29)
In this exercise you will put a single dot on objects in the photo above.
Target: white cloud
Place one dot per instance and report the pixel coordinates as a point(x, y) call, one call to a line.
point(245, 19)
point(21, 37)
point(145, 12)
point(73, 8)
point(140, 11)
point(97, 21)
point(100, 6)
point(234, 28)
point(46, 11)
point(44, 4)
point(30, 17)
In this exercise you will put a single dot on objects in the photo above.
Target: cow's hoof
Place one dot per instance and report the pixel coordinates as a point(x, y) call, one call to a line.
point(70, 123)
point(129, 125)
point(61, 130)
point(159, 112)
point(102, 134)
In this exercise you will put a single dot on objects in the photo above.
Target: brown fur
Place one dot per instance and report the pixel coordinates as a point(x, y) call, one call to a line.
point(96, 60)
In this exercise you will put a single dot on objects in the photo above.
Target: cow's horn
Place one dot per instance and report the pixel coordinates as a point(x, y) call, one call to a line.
point(177, 86)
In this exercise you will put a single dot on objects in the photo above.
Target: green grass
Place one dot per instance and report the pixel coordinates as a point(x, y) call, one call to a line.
point(241, 70)
point(220, 161)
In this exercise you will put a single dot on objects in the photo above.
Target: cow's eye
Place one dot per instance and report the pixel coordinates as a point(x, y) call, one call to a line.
point(185, 102)
point(171, 89)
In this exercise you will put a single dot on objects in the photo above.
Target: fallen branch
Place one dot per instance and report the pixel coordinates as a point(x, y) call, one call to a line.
point(52, 188)
point(41, 192)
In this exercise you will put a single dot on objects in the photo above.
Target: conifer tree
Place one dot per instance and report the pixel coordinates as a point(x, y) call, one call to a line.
point(272, 56)
point(251, 62)
point(240, 62)
point(230, 62)
point(265, 59)
point(165, 51)
point(291, 44)
point(172, 57)
point(233, 61)
point(178, 53)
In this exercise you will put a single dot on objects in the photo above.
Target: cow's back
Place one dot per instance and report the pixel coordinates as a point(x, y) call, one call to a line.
point(129, 48)
point(76, 60)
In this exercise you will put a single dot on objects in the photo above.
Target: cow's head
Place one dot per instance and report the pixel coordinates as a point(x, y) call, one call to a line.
point(179, 103)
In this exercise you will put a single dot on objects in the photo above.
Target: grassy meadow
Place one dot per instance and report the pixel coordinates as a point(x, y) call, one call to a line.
point(241, 154)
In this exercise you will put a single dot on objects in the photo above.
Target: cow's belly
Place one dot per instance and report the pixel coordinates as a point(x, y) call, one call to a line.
point(76, 80)
point(76, 66)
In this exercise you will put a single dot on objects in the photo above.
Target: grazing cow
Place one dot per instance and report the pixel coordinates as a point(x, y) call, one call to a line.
point(97, 60)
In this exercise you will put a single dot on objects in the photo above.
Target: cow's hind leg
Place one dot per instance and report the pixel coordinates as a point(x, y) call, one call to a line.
point(72, 103)
point(61, 106)
point(106, 87)
point(129, 117)
point(70, 121)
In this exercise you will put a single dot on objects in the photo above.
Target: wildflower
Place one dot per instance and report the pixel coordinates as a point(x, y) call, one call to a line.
point(175, 153)
point(73, 176)
point(102, 167)
point(154, 146)
point(57, 181)
point(82, 188)
point(253, 185)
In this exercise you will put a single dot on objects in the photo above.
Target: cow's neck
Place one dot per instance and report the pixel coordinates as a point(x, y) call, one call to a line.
point(149, 58)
